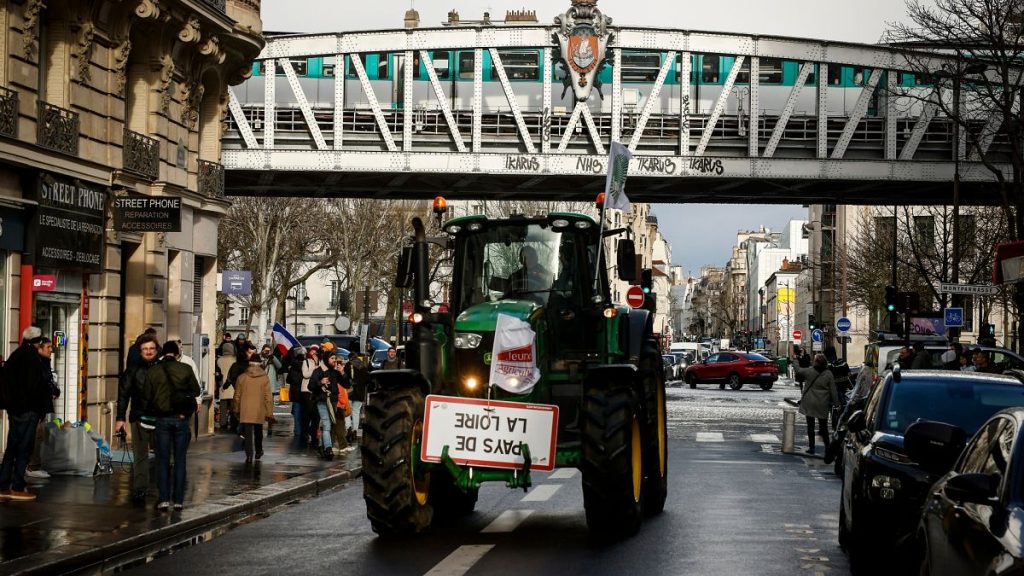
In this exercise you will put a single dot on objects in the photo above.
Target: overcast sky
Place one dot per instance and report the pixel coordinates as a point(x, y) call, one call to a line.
point(700, 233)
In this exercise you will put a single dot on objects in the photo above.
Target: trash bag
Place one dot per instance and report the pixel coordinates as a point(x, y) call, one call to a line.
point(68, 451)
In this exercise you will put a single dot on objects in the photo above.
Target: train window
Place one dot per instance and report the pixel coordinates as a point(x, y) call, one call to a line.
point(329, 64)
point(861, 76)
point(519, 65)
point(442, 64)
point(299, 65)
point(640, 66)
point(770, 71)
point(383, 61)
point(835, 75)
point(679, 67)
point(467, 65)
point(710, 68)
point(744, 76)
point(350, 70)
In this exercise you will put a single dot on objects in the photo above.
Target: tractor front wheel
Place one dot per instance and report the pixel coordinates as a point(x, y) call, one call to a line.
point(655, 431)
point(395, 487)
point(612, 463)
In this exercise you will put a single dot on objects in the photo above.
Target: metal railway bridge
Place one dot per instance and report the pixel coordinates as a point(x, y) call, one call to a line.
point(497, 112)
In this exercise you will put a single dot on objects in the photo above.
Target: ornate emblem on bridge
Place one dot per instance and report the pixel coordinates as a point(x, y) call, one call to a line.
point(583, 37)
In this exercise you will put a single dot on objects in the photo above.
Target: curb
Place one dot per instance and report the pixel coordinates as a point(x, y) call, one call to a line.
point(200, 524)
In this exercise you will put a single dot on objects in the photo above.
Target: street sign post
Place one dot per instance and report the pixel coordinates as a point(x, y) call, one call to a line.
point(954, 317)
point(635, 296)
point(969, 289)
point(843, 324)
point(236, 282)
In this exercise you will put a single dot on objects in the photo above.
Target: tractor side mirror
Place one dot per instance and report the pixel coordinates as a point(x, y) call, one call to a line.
point(403, 278)
point(626, 260)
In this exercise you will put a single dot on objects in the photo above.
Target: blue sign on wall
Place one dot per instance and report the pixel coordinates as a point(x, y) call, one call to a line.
point(236, 282)
point(954, 317)
point(843, 324)
point(817, 335)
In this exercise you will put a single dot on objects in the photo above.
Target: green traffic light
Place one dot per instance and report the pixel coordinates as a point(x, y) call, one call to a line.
point(647, 290)
point(890, 307)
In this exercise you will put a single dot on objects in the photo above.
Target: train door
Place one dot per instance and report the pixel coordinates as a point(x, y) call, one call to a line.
point(57, 315)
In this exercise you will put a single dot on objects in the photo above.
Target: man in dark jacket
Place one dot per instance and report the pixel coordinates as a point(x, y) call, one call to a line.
point(128, 389)
point(294, 381)
point(28, 397)
point(922, 358)
point(168, 396)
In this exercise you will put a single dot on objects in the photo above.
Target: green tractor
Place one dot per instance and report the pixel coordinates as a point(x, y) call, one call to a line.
point(436, 430)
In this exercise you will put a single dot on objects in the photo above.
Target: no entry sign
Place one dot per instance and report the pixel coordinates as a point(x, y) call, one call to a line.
point(797, 335)
point(635, 296)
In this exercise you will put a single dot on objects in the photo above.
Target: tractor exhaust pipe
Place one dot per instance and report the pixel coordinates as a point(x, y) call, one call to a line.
point(422, 349)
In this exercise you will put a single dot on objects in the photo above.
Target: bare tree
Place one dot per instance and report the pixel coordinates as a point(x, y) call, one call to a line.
point(975, 82)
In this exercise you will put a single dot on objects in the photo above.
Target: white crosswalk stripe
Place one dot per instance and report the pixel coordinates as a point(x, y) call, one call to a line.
point(710, 437)
point(563, 474)
point(541, 493)
point(461, 560)
point(507, 522)
point(764, 438)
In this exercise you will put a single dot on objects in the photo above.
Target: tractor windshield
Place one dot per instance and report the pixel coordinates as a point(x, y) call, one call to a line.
point(525, 261)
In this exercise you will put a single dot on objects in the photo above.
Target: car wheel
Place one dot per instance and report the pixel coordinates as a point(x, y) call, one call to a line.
point(844, 533)
point(766, 386)
point(691, 380)
point(721, 386)
point(734, 381)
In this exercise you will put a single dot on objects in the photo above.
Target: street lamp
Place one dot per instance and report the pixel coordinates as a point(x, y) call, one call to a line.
point(295, 298)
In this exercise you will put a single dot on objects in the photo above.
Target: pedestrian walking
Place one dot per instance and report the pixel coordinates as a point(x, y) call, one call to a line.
point(817, 399)
point(392, 362)
point(296, 358)
point(227, 391)
point(922, 358)
point(168, 397)
point(254, 405)
point(323, 385)
point(310, 412)
point(27, 397)
point(133, 356)
point(35, 463)
point(128, 390)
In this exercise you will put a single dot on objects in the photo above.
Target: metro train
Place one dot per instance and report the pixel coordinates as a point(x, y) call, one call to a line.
point(455, 69)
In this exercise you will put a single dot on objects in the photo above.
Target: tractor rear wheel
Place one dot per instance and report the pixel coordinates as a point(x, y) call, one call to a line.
point(395, 488)
point(448, 501)
point(655, 489)
point(612, 462)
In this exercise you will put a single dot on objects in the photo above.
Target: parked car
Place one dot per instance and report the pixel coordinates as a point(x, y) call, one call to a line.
point(735, 369)
point(883, 488)
point(346, 341)
point(999, 357)
point(972, 516)
point(673, 370)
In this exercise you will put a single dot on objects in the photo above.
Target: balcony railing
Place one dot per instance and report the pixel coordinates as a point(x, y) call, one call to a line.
point(57, 129)
point(218, 4)
point(8, 113)
point(141, 154)
point(211, 179)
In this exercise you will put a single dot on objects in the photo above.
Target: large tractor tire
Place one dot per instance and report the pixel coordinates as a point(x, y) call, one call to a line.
point(448, 501)
point(612, 463)
point(655, 489)
point(396, 492)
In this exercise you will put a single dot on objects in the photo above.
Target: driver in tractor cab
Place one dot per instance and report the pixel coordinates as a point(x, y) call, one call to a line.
point(532, 275)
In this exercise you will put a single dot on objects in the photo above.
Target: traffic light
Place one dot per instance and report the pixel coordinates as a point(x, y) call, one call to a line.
point(646, 280)
point(812, 322)
point(890, 298)
point(988, 331)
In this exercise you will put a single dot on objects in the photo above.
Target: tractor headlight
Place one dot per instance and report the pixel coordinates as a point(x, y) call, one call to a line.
point(467, 340)
point(471, 383)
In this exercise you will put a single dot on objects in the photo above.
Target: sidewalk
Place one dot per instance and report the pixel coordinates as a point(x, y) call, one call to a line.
point(90, 522)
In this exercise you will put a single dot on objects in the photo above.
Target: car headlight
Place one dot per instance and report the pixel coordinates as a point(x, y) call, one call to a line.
point(886, 486)
point(467, 340)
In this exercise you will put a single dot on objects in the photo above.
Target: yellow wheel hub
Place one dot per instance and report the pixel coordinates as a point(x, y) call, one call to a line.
point(420, 485)
point(662, 419)
point(637, 460)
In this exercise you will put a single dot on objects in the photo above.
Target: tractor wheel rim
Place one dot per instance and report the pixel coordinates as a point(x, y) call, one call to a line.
point(636, 459)
point(420, 485)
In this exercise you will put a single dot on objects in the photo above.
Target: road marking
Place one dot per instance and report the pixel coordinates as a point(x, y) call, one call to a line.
point(461, 560)
point(507, 522)
point(765, 438)
point(710, 437)
point(541, 493)
point(563, 474)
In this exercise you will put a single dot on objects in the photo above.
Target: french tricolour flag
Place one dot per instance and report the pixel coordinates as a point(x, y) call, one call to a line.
point(283, 341)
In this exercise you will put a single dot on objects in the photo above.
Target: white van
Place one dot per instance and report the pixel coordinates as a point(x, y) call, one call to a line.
point(699, 352)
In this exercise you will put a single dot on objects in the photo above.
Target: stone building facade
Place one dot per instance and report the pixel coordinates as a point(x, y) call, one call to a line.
point(101, 100)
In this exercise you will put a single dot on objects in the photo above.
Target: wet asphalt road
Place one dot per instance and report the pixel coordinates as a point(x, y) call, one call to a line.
point(736, 506)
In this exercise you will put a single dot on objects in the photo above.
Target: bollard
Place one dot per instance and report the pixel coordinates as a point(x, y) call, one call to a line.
point(788, 430)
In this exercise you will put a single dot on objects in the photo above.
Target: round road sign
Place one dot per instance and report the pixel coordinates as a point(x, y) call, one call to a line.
point(797, 335)
point(843, 324)
point(635, 296)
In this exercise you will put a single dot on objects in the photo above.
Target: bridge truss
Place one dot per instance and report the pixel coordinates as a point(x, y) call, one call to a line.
point(412, 137)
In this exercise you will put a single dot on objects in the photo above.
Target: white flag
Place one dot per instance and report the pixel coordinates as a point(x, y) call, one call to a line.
point(513, 358)
point(618, 168)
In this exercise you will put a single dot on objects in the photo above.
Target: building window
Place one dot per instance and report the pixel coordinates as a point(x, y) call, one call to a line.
point(197, 284)
point(968, 305)
point(300, 297)
point(300, 329)
point(924, 233)
point(319, 329)
point(243, 314)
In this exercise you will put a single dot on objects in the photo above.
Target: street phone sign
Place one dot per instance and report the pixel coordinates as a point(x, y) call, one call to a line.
point(635, 296)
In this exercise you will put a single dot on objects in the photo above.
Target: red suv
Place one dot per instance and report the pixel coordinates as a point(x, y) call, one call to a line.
point(734, 369)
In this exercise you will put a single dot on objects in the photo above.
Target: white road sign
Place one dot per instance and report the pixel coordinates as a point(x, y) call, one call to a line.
point(970, 289)
point(489, 434)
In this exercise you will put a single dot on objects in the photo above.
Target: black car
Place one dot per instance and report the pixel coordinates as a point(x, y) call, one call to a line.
point(971, 523)
point(883, 488)
point(346, 341)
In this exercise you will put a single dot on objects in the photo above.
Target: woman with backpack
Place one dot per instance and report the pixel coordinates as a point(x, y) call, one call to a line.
point(817, 399)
